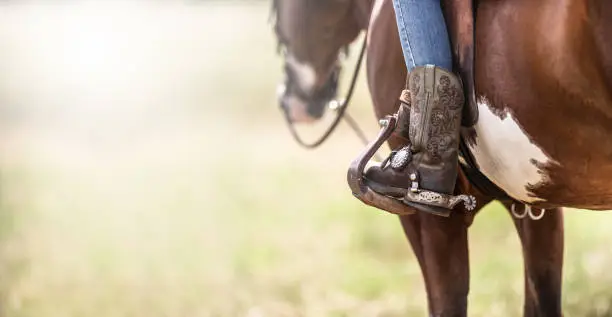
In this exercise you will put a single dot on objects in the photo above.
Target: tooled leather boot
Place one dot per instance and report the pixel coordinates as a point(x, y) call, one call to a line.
point(424, 171)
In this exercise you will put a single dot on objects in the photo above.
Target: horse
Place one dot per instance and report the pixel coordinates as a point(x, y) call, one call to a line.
point(543, 90)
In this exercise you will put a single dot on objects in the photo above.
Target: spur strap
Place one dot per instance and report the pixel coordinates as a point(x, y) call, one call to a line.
point(441, 200)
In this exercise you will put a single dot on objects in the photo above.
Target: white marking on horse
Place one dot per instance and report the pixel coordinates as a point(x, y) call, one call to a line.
point(375, 14)
point(306, 76)
point(505, 154)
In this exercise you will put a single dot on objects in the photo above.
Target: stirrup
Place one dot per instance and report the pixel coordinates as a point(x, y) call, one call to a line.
point(355, 175)
point(363, 192)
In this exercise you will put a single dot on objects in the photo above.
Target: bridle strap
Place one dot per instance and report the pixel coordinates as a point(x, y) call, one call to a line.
point(341, 110)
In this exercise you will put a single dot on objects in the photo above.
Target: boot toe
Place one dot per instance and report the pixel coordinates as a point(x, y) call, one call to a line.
point(385, 181)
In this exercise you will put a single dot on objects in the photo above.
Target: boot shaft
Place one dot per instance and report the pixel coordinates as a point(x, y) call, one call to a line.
point(435, 118)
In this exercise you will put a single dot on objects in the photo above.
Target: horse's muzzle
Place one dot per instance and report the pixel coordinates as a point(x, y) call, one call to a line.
point(306, 107)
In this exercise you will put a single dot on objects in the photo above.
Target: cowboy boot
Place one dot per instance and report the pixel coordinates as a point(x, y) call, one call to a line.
point(423, 172)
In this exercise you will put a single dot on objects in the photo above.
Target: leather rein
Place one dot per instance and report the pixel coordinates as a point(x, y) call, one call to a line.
point(339, 106)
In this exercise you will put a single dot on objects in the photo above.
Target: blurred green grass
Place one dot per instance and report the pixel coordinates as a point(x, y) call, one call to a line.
point(185, 196)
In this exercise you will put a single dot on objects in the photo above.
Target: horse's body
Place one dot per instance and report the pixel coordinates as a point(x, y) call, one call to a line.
point(545, 102)
point(544, 90)
point(441, 245)
point(543, 85)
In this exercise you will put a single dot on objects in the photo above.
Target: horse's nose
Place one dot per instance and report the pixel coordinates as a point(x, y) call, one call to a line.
point(295, 109)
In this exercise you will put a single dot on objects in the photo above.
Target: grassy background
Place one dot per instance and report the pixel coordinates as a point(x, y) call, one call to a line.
point(145, 171)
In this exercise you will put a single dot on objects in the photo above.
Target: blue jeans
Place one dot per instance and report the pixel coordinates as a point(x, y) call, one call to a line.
point(423, 33)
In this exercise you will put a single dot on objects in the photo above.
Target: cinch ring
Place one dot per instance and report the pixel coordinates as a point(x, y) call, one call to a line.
point(515, 214)
point(527, 211)
point(538, 217)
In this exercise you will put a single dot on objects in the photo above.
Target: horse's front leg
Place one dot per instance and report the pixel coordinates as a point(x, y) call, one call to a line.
point(542, 242)
point(441, 247)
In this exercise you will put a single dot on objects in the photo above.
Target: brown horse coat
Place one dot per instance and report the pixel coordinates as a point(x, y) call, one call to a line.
point(544, 91)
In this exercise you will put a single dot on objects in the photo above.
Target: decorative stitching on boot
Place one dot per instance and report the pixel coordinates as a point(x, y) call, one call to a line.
point(450, 96)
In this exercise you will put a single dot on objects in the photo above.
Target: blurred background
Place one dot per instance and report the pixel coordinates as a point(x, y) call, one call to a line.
point(145, 170)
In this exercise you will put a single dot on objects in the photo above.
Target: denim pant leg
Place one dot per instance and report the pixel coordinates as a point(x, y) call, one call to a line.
point(423, 33)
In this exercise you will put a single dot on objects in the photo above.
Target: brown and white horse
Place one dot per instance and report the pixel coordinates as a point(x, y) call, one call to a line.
point(543, 86)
